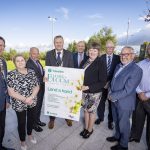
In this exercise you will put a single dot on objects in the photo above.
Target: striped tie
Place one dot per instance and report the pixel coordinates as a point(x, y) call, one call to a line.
point(59, 61)
point(108, 64)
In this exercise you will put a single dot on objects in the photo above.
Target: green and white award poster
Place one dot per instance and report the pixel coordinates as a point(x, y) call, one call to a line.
point(63, 93)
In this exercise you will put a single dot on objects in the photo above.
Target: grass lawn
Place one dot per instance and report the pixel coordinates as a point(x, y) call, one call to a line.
point(11, 66)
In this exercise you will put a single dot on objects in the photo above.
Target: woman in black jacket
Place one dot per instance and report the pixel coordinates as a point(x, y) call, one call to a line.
point(94, 81)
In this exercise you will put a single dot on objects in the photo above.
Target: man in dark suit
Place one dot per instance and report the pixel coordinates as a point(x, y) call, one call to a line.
point(59, 57)
point(110, 62)
point(122, 94)
point(34, 63)
point(4, 98)
point(80, 55)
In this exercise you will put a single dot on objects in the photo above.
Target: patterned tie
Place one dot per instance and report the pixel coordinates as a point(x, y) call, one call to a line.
point(58, 59)
point(39, 66)
point(2, 68)
point(108, 64)
point(80, 59)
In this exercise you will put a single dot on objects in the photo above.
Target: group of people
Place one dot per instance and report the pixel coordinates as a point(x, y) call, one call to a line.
point(118, 79)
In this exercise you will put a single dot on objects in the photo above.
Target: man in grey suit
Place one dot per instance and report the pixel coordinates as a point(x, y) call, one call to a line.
point(4, 98)
point(59, 57)
point(122, 94)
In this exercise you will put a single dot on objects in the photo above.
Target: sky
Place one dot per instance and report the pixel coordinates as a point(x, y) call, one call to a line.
point(25, 23)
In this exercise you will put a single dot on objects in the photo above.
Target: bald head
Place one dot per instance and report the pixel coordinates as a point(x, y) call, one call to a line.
point(34, 53)
point(110, 46)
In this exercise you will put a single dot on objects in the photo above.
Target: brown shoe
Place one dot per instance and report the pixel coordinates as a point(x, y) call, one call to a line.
point(69, 122)
point(51, 124)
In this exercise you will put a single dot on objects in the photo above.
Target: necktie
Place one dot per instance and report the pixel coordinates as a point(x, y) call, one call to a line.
point(58, 59)
point(39, 67)
point(79, 59)
point(108, 64)
point(2, 68)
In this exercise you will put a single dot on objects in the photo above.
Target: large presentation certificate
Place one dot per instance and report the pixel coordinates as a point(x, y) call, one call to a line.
point(63, 93)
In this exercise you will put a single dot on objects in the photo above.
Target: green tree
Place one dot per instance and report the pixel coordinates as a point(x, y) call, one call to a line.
point(12, 53)
point(72, 46)
point(42, 55)
point(25, 55)
point(102, 36)
point(6, 55)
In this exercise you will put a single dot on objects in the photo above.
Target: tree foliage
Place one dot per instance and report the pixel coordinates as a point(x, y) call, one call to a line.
point(8, 55)
point(72, 46)
point(100, 37)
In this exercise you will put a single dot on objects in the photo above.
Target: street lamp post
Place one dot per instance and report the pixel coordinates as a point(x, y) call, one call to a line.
point(128, 31)
point(52, 19)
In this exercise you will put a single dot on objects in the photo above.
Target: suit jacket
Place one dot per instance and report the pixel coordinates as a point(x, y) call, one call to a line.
point(75, 59)
point(95, 76)
point(31, 64)
point(115, 61)
point(67, 59)
point(123, 86)
point(4, 97)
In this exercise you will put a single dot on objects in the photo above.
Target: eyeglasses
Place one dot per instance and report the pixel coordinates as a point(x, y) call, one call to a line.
point(126, 54)
point(110, 47)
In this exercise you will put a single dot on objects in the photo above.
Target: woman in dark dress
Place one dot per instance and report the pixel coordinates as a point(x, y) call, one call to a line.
point(94, 81)
point(23, 88)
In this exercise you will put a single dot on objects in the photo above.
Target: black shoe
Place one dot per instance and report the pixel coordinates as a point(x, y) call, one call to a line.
point(112, 139)
point(115, 147)
point(98, 121)
point(118, 147)
point(5, 148)
point(110, 125)
point(134, 140)
point(40, 123)
point(82, 133)
point(87, 134)
point(37, 128)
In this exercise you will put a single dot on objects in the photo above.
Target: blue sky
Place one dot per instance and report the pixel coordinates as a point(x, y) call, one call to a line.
point(25, 23)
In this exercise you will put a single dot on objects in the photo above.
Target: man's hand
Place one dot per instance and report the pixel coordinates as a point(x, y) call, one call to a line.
point(109, 97)
point(142, 96)
point(29, 100)
point(106, 85)
point(45, 79)
point(7, 105)
point(84, 88)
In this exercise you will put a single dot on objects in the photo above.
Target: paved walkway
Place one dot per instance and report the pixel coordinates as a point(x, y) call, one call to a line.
point(63, 137)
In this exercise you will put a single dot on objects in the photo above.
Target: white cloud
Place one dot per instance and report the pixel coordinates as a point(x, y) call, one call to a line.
point(142, 18)
point(137, 37)
point(65, 12)
point(95, 16)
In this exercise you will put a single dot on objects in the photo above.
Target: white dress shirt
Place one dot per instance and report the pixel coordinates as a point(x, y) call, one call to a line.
point(144, 85)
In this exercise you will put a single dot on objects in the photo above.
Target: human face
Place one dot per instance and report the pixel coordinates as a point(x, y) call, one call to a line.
point(80, 47)
point(110, 48)
point(20, 62)
point(2, 46)
point(93, 54)
point(59, 43)
point(34, 54)
point(126, 56)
